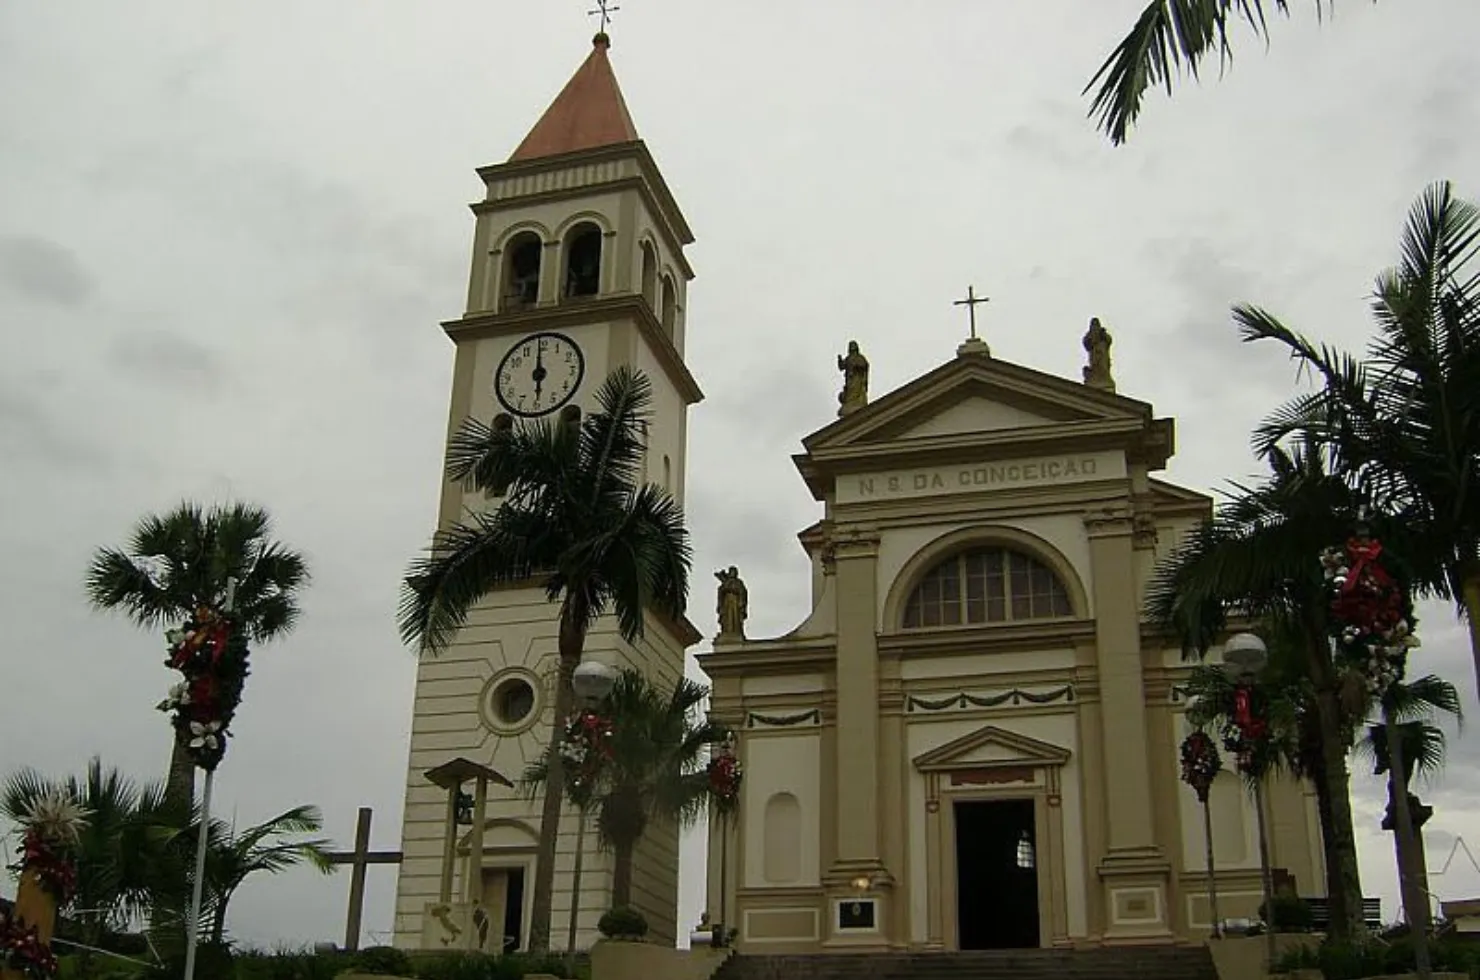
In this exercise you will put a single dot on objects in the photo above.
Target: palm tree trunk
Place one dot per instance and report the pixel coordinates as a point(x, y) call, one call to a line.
point(572, 642)
point(1333, 793)
point(622, 873)
point(1469, 591)
point(1415, 902)
point(180, 787)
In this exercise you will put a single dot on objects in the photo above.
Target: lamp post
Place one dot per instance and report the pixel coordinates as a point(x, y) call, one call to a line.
point(1246, 657)
point(591, 681)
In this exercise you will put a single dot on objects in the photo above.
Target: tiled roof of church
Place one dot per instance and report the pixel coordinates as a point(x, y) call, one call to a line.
point(589, 112)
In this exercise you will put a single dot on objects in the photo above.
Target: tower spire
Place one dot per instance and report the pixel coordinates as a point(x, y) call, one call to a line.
point(588, 113)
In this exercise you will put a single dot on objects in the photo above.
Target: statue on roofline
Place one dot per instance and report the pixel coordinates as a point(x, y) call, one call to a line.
point(733, 604)
point(855, 380)
point(1097, 343)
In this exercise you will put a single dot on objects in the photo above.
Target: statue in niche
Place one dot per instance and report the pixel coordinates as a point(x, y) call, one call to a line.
point(733, 604)
point(855, 380)
point(1097, 343)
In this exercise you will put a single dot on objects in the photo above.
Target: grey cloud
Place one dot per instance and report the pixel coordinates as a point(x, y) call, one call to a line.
point(39, 269)
point(30, 432)
point(161, 356)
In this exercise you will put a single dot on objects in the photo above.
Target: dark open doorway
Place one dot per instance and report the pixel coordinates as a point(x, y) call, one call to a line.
point(514, 911)
point(996, 875)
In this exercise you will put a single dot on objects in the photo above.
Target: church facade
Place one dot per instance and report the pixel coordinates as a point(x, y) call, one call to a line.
point(578, 267)
point(973, 740)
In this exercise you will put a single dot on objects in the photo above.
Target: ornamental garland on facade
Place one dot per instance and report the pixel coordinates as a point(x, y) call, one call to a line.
point(586, 748)
point(1200, 763)
point(212, 656)
point(1371, 614)
point(724, 774)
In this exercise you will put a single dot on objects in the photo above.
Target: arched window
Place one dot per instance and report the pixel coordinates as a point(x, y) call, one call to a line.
point(650, 276)
point(522, 271)
point(583, 261)
point(986, 585)
point(670, 306)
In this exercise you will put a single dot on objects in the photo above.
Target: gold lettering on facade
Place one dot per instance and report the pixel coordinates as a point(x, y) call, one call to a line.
point(986, 476)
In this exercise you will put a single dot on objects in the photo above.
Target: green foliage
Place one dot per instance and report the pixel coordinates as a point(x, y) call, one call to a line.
point(291, 965)
point(383, 961)
point(211, 960)
point(623, 922)
point(1374, 957)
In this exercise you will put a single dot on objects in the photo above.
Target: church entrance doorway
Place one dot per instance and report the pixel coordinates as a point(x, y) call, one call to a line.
point(502, 929)
point(996, 874)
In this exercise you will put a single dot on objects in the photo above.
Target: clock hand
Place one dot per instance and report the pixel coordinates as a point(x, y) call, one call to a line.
point(539, 369)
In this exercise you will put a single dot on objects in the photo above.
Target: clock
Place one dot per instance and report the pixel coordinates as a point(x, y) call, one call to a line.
point(539, 374)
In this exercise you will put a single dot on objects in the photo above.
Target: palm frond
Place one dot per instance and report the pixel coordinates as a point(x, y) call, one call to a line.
point(1168, 36)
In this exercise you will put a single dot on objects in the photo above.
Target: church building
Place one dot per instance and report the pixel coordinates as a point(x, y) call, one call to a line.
point(971, 742)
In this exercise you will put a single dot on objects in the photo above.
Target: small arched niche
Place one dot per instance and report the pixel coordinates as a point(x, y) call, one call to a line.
point(985, 584)
point(521, 272)
point(782, 836)
point(669, 313)
point(583, 261)
point(650, 275)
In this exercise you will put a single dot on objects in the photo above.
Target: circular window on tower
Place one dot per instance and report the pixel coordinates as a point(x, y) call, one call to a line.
point(511, 701)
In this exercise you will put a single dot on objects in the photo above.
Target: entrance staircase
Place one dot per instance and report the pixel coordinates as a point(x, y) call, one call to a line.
point(1120, 963)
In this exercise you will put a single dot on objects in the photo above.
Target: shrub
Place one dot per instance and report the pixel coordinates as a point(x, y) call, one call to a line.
point(383, 961)
point(623, 923)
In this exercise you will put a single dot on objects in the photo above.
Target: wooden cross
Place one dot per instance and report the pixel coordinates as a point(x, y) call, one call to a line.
point(359, 861)
point(970, 302)
point(605, 8)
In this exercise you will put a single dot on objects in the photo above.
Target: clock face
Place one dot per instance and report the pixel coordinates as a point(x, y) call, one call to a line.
point(539, 374)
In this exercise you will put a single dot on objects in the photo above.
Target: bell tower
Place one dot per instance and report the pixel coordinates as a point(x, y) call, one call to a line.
point(578, 267)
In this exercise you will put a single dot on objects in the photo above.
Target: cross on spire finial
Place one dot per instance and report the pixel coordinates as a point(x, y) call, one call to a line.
point(970, 302)
point(605, 8)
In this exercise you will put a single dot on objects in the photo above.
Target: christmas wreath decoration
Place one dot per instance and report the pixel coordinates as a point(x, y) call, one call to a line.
point(1371, 613)
point(1246, 734)
point(1200, 763)
point(586, 748)
point(212, 655)
point(724, 774)
point(22, 950)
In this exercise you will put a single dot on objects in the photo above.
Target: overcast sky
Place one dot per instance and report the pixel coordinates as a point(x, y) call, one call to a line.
point(228, 233)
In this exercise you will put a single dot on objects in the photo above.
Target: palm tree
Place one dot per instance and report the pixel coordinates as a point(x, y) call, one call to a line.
point(1405, 425)
point(1411, 710)
point(181, 560)
point(656, 772)
point(576, 519)
point(1168, 35)
point(271, 847)
point(125, 863)
point(1257, 560)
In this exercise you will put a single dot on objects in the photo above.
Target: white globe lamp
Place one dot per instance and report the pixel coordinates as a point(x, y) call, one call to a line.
point(593, 680)
point(1245, 654)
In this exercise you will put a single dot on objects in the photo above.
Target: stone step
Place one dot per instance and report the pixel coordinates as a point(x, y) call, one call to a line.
point(1159, 963)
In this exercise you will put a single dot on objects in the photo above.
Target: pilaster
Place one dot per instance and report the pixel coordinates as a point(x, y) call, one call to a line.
point(1134, 871)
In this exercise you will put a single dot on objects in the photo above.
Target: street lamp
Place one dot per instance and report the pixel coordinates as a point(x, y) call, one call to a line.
point(593, 680)
point(1245, 656)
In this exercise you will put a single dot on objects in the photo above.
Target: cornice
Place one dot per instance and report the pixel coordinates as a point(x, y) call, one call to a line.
point(994, 638)
point(1107, 522)
point(573, 313)
point(771, 657)
point(665, 203)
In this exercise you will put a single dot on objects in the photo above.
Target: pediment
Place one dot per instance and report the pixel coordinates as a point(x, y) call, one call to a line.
point(991, 747)
point(975, 394)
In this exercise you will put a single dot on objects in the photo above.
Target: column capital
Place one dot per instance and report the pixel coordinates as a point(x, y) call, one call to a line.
point(1109, 522)
point(854, 542)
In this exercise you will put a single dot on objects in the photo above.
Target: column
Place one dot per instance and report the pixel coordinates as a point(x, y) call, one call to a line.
point(1134, 871)
point(858, 700)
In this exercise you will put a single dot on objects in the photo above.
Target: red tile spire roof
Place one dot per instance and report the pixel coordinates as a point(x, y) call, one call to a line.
point(589, 112)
